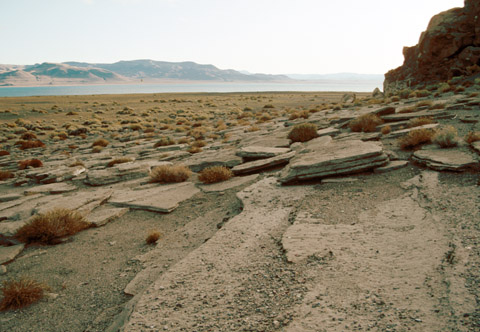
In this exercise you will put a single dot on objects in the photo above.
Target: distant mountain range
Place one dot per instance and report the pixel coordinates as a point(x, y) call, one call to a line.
point(147, 71)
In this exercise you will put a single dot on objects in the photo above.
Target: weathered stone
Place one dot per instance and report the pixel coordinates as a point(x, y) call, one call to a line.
point(302, 241)
point(202, 160)
point(232, 183)
point(84, 201)
point(359, 136)
point(349, 97)
point(446, 159)
point(121, 172)
point(55, 174)
point(398, 133)
point(377, 93)
point(9, 197)
point(53, 188)
point(262, 164)
point(104, 215)
point(3, 270)
point(164, 198)
point(268, 142)
point(337, 158)
point(391, 166)
point(339, 180)
point(260, 152)
point(9, 253)
point(422, 114)
point(331, 131)
point(20, 208)
point(476, 146)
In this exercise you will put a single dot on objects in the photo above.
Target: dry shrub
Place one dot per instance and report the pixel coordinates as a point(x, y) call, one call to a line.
point(197, 133)
point(4, 175)
point(4, 153)
point(28, 136)
point(473, 136)
point(303, 132)
point(421, 93)
point(136, 127)
point(415, 138)
point(170, 174)
point(423, 103)
point(24, 145)
point(407, 110)
point(366, 123)
point(215, 174)
point(183, 140)
point(77, 163)
point(35, 163)
point(417, 122)
point(153, 236)
point(100, 142)
point(121, 160)
point(301, 114)
point(446, 137)
point(50, 227)
point(164, 141)
point(97, 149)
point(437, 106)
point(386, 130)
point(194, 149)
point(198, 144)
point(21, 293)
point(252, 129)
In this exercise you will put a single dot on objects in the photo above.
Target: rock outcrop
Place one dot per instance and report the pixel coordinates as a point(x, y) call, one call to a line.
point(449, 47)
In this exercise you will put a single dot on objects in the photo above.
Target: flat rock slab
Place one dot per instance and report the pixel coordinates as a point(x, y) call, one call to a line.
point(331, 131)
point(302, 241)
point(476, 146)
point(262, 164)
point(232, 183)
point(446, 159)
point(83, 201)
point(9, 197)
point(202, 160)
point(104, 215)
point(260, 152)
point(268, 142)
point(336, 158)
point(122, 172)
point(9, 253)
point(55, 174)
point(164, 198)
point(398, 133)
point(52, 188)
point(421, 114)
point(391, 166)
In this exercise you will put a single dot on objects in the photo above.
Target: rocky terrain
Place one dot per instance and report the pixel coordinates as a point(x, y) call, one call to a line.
point(348, 230)
point(449, 48)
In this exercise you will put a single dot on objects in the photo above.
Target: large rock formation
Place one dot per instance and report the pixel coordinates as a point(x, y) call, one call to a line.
point(449, 47)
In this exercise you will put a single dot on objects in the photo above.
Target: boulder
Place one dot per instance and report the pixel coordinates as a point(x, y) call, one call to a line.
point(377, 93)
point(336, 158)
point(446, 159)
point(349, 97)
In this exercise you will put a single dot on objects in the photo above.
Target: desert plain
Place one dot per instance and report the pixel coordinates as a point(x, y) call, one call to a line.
point(371, 223)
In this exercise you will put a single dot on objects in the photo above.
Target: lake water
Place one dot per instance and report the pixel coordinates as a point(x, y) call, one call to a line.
point(327, 85)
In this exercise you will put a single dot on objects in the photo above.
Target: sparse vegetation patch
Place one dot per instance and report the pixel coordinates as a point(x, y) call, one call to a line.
point(215, 174)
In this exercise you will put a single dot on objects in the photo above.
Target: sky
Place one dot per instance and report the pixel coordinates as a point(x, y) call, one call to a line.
point(259, 36)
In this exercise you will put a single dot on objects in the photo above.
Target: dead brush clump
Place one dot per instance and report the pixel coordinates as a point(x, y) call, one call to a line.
point(153, 236)
point(415, 138)
point(35, 163)
point(50, 227)
point(366, 123)
point(100, 142)
point(24, 145)
point(252, 128)
point(417, 122)
point(4, 153)
point(215, 174)
point(5, 175)
point(77, 163)
point(28, 136)
point(117, 161)
point(303, 132)
point(194, 149)
point(97, 149)
point(386, 130)
point(170, 174)
point(198, 144)
point(301, 114)
point(473, 136)
point(164, 141)
point(446, 137)
point(17, 294)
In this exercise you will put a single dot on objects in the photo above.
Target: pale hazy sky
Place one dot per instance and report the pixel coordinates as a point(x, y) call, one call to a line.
point(268, 36)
